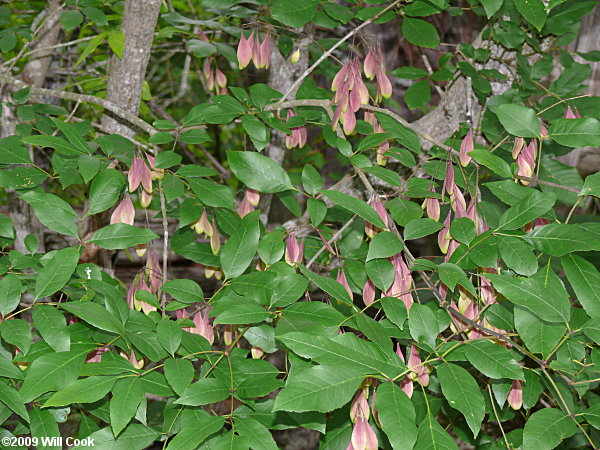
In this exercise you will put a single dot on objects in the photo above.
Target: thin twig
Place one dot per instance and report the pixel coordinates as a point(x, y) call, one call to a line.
point(165, 253)
point(497, 418)
point(334, 238)
point(325, 55)
point(117, 110)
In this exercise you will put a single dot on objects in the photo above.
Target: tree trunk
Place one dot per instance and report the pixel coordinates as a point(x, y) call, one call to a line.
point(34, 73)
point(127, 74)
point(124, 89)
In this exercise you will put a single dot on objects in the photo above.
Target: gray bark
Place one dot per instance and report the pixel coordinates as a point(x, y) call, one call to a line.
point(127, 74)
point(34, 73)
point(124, 89)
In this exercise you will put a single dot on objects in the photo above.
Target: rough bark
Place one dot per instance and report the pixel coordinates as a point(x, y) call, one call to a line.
point(124, 89)
point(36, 69)
point(126, 77)
point(34, 73)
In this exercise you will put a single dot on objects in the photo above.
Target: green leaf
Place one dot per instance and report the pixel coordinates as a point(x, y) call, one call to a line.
point(585, 280)
point(50, 372)
point(356, 206)
point(463, 230)
point(259, 134)
point(387, 175)
point(134, 437)
point(463, 393)
point(166, 160)
point(296, 14)
point(592, 415)
point(491, 6)
point(256, 433)
point(576, 132)
point(410, 73)
point(57, 143)
point(311, 179)
point(421, 33)
point(384, 245)
point(86, 390)
point(451, 275)
point(8, 369)
point(43, 426)
point(12, 151)
point(88, 167)
point(396, 415)
point(7, 229)
point(200, 48)
point(186, 291)
point(242, 313)
point(169, 334)
point(203, 392)
point(121, 235)
point(395, 310)
point(517, 255)
point(592, 330)
point(418, 228)
point(418, 94)
point(92, 45)
point(519, 120)
point(105, 190)
point(189, 438)
point(258, 172)
point(288, 289)
point(329, 285)
point(57, 272)
point(538, 336)
point(17, 332)
point(558, 239)
point(492, 162)
point(238, 251)
point(381, 272)
point(493, 360)
point(319, 388)
point(116, 42)
point(344, 351)
point(533, 11)
point(73, 135)
point(433, 437)
point(71, 19)
point(126, 397)
point(52, 326)
point(211, 193)
point(423, 325)
point(10, 293)
point(13, 400)
point(95, 315)
point(534, 205)
point(53, 212)
point(271, 247)
point(179, 373)
point(591, 185)
point(546, 429)
point(543, 294)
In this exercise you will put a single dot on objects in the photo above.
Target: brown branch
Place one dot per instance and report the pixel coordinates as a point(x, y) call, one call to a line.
point(54, 93)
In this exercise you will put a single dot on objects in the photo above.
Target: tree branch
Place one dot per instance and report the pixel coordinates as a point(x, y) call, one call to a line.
point(54, 93)
point(325, 55)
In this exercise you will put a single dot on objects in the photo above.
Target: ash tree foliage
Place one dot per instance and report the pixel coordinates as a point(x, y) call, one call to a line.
point(381, 281)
